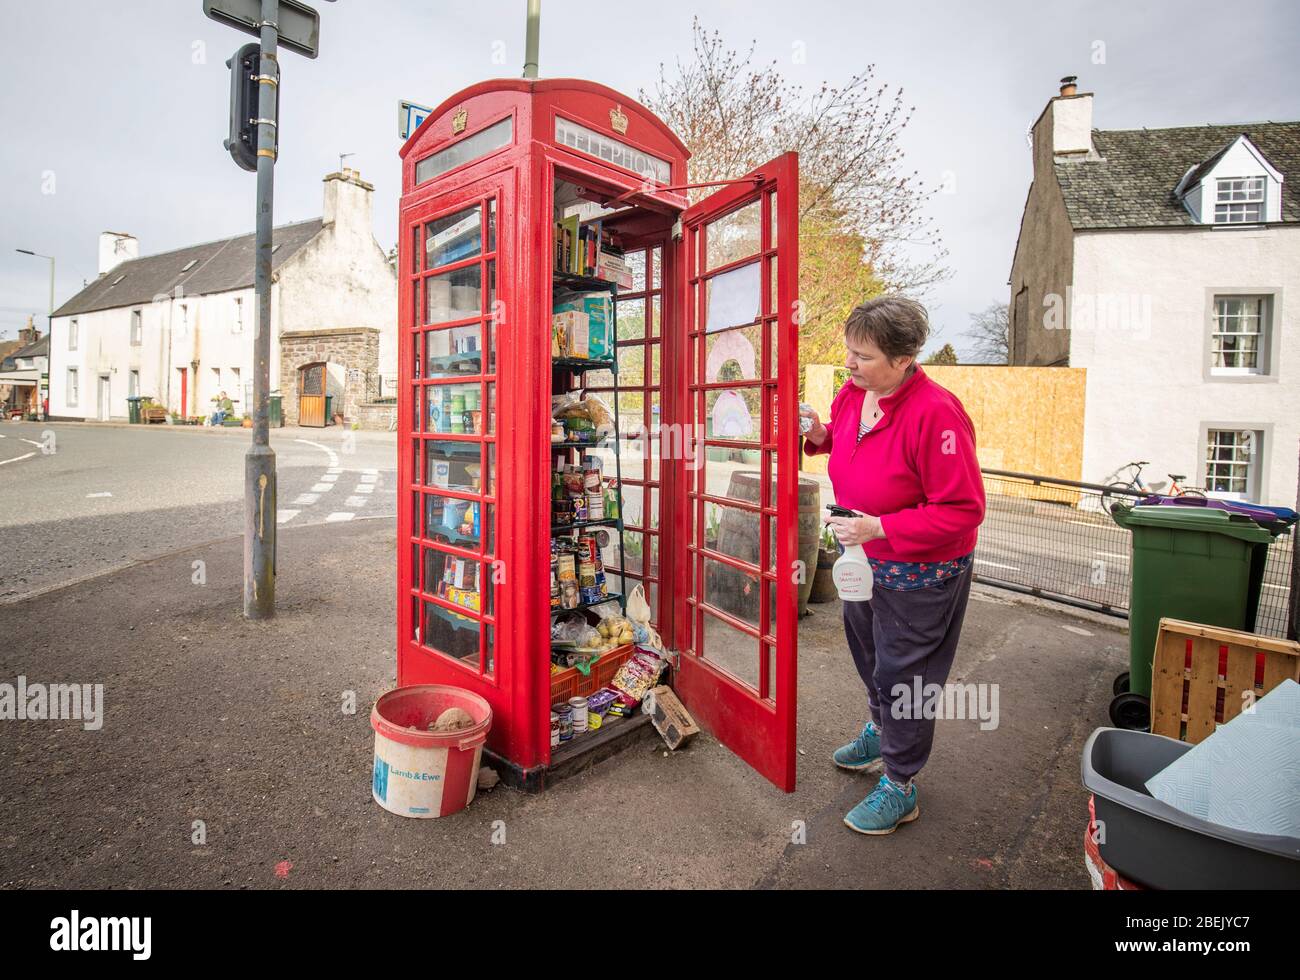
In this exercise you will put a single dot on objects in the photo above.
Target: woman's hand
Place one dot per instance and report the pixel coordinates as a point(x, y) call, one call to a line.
point(856, 530)
point(814, 431)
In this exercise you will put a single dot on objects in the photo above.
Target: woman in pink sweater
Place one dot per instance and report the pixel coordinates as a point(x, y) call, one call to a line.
point(902, 455)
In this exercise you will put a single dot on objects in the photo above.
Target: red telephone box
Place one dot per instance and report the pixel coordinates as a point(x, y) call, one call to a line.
point(707, 374)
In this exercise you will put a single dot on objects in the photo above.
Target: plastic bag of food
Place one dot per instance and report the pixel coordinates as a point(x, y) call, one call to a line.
point(599, 413)
point(574, 405)
point(576, 633)
point(562, 403)
point(638, 611)
point(638, 675)
point(616, 628)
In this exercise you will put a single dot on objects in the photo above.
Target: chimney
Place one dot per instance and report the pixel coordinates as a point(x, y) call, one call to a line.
point(29, 334)
point(348, 202)
point(116, 247)
point(1069, 121)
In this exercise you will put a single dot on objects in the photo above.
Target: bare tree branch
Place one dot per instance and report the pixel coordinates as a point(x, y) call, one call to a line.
point(988, 328)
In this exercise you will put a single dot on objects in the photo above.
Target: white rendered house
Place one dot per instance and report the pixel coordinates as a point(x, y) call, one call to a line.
point(179, 327)
point(1166, 262)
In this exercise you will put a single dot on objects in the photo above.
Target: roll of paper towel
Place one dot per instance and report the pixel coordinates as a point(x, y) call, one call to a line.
point(464, 300)
point(439, 299)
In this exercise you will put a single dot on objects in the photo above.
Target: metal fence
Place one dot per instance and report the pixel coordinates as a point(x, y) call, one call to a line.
point(1055, 538)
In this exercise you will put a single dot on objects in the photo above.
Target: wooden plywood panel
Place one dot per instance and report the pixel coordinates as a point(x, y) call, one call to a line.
point(1027, 419)
point(1030, 419)
point(819, 392)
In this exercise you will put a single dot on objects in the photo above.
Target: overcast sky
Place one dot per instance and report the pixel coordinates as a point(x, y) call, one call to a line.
point(114, 112)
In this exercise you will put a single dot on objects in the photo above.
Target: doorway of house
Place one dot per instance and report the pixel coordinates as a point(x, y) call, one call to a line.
point(311, 395)
point(105, 392)
point(183, 378)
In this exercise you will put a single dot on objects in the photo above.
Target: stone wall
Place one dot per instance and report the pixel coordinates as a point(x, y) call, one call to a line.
point(1043, 264)
point(376, 416)
point(354, 349)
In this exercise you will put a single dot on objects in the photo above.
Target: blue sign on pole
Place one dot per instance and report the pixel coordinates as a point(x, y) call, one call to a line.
point(409, 117)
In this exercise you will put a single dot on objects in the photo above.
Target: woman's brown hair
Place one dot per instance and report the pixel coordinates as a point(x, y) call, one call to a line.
point(897, 325)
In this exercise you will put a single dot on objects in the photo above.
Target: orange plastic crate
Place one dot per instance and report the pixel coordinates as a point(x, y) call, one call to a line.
point(572, 683)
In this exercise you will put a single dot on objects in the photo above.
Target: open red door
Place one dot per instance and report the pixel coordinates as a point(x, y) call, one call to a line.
point(735, 553)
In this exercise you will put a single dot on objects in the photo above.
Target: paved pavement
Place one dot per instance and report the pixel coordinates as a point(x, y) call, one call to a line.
point(240, 725)
point(109, 495)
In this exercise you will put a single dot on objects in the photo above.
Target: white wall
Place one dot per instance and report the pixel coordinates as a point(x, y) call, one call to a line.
point(1072, 124)
point(1147, 391)
point(170, 339)
point(342, 278)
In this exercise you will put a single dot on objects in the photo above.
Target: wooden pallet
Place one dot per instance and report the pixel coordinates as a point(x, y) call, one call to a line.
point(1200, 673)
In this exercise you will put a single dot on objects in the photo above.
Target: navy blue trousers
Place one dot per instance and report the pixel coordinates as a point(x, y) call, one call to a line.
point(896, 639)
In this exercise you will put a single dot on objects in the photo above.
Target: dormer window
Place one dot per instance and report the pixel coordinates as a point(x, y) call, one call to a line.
point(1236, 186)
point(1240, 200)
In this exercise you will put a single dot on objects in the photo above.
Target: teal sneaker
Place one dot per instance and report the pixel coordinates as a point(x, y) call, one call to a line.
point(863, 753)
point(883, 811)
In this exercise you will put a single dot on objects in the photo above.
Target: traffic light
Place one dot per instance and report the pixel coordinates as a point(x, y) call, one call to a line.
point(244, 67)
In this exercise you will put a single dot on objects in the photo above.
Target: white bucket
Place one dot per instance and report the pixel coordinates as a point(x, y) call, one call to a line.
point(419, 773)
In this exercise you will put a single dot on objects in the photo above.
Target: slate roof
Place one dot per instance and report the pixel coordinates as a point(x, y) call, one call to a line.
point(1132, 185)
point(219, 266)
point(39, 348)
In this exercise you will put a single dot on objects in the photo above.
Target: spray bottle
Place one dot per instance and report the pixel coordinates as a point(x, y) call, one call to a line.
point(851, 572)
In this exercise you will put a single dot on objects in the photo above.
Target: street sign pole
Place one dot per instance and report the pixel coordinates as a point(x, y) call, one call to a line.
point(300, 32)
point(259, 463)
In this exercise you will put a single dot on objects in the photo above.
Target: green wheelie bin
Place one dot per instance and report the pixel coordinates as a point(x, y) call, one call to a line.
point(1199, 564)
point(275, 418)
point(133, 409)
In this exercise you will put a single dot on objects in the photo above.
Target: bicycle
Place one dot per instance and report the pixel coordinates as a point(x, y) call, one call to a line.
point(1134, 482)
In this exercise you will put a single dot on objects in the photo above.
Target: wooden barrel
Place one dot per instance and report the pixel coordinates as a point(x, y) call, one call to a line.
point(734, 591)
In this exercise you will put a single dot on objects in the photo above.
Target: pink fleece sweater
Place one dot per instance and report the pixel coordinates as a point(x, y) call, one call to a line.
point(916, 470)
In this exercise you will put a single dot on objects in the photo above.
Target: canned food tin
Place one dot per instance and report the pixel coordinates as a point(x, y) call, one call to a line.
point(555, 729)
point(565, 715)
point(578, 714)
